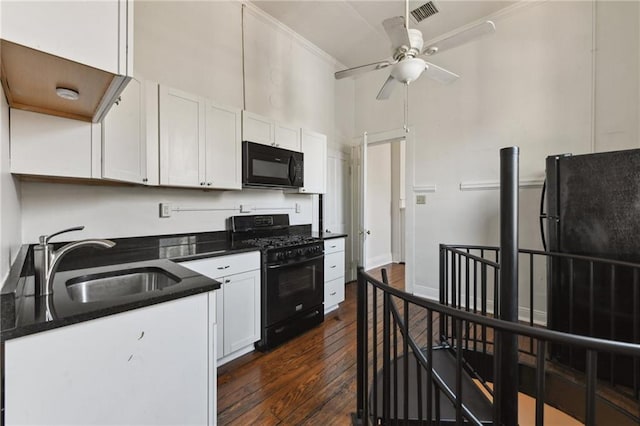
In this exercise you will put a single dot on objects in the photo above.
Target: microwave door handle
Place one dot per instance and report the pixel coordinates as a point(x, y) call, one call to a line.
point(292, 170)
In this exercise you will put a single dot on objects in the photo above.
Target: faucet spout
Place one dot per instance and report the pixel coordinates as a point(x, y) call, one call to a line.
point(46, 260)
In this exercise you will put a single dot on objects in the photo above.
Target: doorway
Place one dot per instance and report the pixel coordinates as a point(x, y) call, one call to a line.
point(379, 186)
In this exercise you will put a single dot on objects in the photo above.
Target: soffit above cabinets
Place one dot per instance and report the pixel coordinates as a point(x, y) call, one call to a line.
point(351, 30)
point(30, 78)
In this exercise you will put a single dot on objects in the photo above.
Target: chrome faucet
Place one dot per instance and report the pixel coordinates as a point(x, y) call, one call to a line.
point(46, 260)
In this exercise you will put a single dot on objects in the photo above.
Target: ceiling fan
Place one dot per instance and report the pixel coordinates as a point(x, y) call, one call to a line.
point(407, 63)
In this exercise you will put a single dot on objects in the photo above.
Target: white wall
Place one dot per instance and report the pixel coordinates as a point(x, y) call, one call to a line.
point(10, 229)
point(196, 47)
point(537, 84)
point(378, 207)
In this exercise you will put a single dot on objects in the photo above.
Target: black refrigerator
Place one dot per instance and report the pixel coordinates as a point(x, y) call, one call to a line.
point(593, 210)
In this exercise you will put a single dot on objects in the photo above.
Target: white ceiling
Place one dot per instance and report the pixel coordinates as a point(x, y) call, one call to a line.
point(351, 30)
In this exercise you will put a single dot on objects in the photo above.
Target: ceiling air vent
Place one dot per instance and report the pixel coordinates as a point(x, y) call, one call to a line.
point(423, 12)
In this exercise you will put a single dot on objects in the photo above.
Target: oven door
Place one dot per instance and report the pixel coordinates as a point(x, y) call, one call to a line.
point(267, 166)
point(292, 288)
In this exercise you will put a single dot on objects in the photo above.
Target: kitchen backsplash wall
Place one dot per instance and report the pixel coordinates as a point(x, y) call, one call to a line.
point(114, 211)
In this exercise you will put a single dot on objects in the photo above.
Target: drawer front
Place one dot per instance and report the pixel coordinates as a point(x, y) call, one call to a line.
point(334, 245)
point(333, 292)
point(217, 267)
point(333, 266)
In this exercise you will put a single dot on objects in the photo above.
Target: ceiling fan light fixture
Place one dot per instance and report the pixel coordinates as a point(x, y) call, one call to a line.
point(408, 70)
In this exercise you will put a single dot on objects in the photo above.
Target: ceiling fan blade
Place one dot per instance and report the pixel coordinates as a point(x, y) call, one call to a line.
point(397, 31)
point(362, 69)
point(439, 74)
point(460, 38)
point(387, 88)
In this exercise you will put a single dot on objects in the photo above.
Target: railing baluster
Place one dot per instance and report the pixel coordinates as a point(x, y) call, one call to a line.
point(419, 382)
point(429, 370)
point(571, 314)
point(592, 381)
point(475, 303)
point(374, 308)
point(395, 371)
point(483, 302)
point(459, 301)
point(636, 332)
point(531, 298)
point(612, 322)
point(386, 353)
point(591, 299)
point(458, 326)
point(437, 404)
point(405, 349)
point(540, 382)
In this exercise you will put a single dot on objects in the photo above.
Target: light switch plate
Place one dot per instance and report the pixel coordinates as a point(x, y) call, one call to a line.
point(421, 199)
point(165, 210)
point(245, 208)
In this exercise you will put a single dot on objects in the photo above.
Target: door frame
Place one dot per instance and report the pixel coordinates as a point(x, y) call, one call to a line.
point(358, 191)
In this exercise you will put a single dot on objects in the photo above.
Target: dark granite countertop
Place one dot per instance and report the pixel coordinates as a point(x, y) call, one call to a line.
point(23, 313)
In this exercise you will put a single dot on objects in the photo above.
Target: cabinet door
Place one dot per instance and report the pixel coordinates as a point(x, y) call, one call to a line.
point(223, 147)
point(287, 137)
point(146, 366)
point(95, 33)
point(314, 147)
point(256, 128)
point(182, 141)
point(52, 146)
point(124, 155)
point(241, 310)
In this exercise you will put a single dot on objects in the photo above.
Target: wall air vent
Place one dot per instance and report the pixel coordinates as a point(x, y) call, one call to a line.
point(423, 12)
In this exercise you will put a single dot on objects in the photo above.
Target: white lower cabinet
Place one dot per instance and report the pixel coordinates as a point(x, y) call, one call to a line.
point(333, 273)
point(152, 365)
point(238, 305)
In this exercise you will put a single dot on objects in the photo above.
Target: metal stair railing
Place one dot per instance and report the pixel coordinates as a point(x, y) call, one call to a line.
point(381, 354)
point(469, 281)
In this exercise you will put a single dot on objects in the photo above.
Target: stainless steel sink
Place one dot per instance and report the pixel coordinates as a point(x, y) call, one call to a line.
point(115, 284)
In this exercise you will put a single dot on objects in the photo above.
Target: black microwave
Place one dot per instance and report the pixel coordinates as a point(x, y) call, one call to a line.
point(265, 166)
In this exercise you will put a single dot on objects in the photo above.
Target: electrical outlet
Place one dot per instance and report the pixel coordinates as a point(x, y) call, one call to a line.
point(297, 207)
point(165, 210)
point(244, 208)
point(421, 199)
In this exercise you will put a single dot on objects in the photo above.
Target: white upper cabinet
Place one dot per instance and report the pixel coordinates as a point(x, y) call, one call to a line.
point(259, 129)
point(181, 138)
point(86, 46)
point(94, 33)
point(314, 148)
point(256, 128)
point(129, 142)
point(52, 146)
point(200, 143)
point(287, 137)
point(223, 147)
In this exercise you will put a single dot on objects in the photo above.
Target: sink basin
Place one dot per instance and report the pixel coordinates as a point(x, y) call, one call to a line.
point(116, 284)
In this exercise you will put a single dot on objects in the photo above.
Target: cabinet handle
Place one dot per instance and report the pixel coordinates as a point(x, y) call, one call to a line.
point(273, 144)
point(332, 294)
point(208, 183)
point(223, 267)
point(333, 266)
point(333, 246)
point(145, 180)
point(117, 102)
point(201, 183)
point(227, 281)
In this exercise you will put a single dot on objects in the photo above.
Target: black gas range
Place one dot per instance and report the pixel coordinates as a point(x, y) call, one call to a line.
point(292, 278)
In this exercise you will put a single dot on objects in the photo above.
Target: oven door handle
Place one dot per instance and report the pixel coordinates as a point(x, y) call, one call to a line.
point(281, 265)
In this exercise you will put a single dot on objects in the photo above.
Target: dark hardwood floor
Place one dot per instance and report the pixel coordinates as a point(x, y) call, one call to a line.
point(308, 380)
